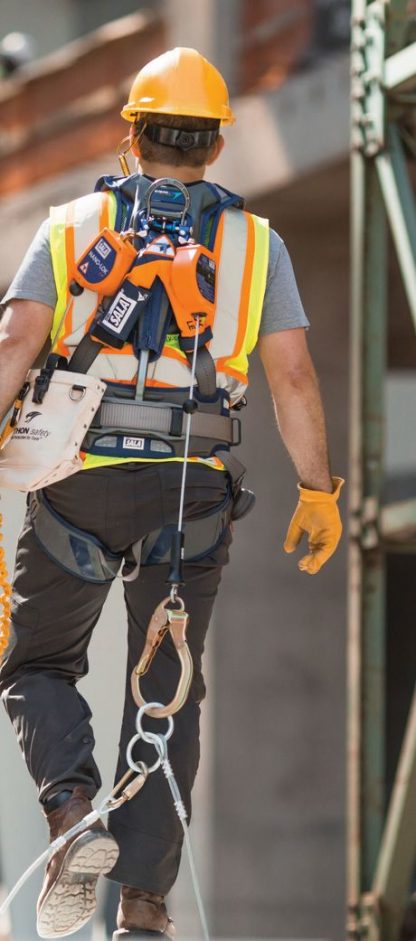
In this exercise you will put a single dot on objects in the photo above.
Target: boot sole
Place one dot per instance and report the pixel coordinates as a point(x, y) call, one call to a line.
point(141, 933)
point(71, 900)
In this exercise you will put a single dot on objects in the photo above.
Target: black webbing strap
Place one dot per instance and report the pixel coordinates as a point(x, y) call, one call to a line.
point(180, 137)
point(88, 350)
point(206, 376)
point(85, 354)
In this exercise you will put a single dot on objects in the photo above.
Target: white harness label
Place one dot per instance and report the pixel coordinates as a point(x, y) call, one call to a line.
point(103, 248)
point(135, 444)
point(119, 312)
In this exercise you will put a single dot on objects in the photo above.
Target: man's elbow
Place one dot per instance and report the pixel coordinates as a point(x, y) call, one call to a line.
point(294, 380)
point(25, 326)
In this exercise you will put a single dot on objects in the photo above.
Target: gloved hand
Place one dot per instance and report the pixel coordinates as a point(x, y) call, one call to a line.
point(316, 514)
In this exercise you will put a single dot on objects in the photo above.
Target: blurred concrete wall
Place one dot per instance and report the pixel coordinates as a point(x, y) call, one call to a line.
point(279, 641)
point(27, 18)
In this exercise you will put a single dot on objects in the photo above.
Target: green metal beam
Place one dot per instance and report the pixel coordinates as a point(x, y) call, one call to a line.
point(399, 202)
point(398, 849)
point(378, 866)
point(399, 70)
point(366, 614)
point(398, 525)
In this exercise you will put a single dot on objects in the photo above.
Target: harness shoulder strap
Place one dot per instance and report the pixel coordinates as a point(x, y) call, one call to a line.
point(205, 372)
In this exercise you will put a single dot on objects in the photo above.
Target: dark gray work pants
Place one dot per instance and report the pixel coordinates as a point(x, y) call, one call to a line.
point(54, 614)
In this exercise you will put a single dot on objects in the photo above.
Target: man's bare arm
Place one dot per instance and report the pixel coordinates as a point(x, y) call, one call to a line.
point(298, 405)
point(300, 416)
point(24, 329)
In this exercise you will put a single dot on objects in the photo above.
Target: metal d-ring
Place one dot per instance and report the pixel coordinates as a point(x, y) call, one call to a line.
point(76, 393)
point(171, 182)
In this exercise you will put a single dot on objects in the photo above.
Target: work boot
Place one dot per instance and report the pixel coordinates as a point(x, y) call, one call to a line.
point(142, 915)
point(67, 899)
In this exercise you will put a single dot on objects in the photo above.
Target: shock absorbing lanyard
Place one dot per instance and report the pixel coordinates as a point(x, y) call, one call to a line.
point(170, 614)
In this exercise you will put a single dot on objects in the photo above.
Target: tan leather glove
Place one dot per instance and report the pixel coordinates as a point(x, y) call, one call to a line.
point(316, 514)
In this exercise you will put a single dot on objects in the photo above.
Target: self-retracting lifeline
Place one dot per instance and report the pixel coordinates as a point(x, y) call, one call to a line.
point(166, 617)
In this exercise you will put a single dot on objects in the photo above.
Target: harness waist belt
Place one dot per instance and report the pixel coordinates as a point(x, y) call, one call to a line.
point(167, 420)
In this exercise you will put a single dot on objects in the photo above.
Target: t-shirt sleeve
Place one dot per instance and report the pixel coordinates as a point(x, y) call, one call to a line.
point(34, 280)
point(282, 306)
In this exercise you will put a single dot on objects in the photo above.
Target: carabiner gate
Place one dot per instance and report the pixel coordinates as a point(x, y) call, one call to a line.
point(163, 620)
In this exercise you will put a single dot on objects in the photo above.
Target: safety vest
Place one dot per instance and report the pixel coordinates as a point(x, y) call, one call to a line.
point(240, 289)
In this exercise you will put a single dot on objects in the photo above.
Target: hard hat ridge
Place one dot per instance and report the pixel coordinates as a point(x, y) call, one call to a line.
point(179, 82)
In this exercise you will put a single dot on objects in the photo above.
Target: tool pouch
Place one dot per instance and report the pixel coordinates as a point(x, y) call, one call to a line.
point(41, 442)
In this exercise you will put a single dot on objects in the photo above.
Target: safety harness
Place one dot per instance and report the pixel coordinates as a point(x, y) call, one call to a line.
point(157, 291)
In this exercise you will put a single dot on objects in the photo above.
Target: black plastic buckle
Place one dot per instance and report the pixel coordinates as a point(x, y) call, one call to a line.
point(236, 441)
point(176, 423)
point(42, 383)
point(240, 404)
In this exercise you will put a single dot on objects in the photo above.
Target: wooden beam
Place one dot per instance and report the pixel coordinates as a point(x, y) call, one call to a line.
point(105, 57)
point(65, 110)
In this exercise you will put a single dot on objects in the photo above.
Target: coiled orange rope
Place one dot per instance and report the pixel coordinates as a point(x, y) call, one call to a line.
point(6, 590)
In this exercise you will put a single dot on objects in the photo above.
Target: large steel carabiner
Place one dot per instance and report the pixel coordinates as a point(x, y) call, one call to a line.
point(163, 620)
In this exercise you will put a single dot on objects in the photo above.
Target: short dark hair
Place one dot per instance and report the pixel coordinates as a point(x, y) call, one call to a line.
point(175, 156)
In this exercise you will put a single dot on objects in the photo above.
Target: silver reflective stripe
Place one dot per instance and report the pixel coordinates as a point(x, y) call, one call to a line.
point(86, 226)
point(234, 388)
point(122, 367)
point(230, 280)
point(170, 371)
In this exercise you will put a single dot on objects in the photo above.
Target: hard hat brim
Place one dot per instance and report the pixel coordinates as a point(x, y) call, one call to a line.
point(132, 111)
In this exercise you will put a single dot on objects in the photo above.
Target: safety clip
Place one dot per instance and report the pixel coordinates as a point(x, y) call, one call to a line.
point(128, 790)
point(175, 621)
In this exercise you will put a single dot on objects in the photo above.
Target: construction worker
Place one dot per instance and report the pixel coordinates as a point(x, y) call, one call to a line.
point(177, 105)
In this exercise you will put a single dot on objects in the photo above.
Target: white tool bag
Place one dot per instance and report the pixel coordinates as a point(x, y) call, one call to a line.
point(41, 445)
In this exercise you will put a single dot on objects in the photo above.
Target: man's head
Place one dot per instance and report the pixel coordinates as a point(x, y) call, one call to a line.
point(177, 105)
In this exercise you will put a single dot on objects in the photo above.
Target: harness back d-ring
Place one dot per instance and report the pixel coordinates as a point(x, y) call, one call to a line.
point(165, 619)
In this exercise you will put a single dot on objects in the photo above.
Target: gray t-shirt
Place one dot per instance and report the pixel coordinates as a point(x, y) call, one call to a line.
point(282, 307)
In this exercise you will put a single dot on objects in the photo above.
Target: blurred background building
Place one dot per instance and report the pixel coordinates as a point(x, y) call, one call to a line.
point(269, 807)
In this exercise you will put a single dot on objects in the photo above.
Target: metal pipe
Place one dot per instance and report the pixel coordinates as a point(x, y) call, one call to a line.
point(398, 849)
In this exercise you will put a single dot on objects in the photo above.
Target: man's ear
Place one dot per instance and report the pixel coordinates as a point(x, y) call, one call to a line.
point(134, 144)
point(217, 148)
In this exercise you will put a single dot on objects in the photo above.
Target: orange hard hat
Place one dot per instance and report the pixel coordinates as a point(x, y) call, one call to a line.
point(180, 81)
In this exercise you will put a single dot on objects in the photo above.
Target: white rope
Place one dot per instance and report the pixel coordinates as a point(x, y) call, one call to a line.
point(181, 812)
point(160, 743)
point(57, 844)
point(188, 427)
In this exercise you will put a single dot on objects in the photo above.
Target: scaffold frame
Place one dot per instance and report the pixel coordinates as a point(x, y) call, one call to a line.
point(381, 846)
